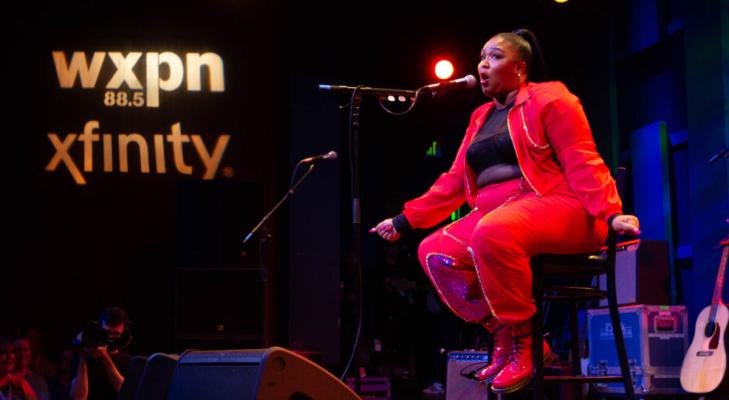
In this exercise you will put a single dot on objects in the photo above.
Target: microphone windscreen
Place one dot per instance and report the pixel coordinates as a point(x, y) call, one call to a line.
point(470, 81)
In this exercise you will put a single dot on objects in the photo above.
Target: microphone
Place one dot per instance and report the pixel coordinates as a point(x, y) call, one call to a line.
point(468, 82)
point(722, 153)
point(332, 155)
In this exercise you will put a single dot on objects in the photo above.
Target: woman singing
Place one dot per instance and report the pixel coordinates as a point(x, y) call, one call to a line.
point(529, 170)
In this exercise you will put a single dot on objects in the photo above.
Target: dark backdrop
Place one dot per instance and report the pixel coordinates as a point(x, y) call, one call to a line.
point(120, 238)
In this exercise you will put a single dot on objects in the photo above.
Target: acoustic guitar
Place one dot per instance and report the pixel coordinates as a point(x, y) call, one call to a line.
point(704, 366)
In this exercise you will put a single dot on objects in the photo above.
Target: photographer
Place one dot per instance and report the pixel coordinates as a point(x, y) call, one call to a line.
point(101, 358)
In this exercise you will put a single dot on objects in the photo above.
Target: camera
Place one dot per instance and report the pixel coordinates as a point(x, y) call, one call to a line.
point(94, 335)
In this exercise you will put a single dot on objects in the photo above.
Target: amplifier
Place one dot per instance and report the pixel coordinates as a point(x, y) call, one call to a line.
point(656, 339)
point(461, 364)
point(371, 388)
point(641, 273)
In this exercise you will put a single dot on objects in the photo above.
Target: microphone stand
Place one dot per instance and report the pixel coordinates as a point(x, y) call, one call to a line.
point(289, 193)
point(357, 93)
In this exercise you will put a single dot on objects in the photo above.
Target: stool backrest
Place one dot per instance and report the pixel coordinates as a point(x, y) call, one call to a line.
point(612, 239)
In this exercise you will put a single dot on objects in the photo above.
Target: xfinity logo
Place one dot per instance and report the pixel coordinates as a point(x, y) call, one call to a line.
point(164, 71)
point(113, 151)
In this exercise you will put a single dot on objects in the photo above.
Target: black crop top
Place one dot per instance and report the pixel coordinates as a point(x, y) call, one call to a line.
point(492, 144)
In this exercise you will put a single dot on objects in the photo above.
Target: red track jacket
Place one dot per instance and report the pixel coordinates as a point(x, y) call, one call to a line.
point(553, 143)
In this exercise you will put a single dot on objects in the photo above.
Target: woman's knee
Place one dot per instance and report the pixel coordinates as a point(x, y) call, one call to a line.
point(427, 246)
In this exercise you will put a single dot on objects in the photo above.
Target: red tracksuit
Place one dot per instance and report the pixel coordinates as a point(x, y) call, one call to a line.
point(480, 263)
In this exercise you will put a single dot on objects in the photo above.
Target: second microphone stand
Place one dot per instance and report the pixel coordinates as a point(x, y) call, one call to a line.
point(289, 193)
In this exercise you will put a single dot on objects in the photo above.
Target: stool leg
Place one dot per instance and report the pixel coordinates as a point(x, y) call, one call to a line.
point(575, 339)
point(537, 331)
point(618, 334)
point(575, 346)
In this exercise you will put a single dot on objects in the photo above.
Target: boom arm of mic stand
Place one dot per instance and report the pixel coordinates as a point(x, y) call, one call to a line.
point(289, 192)
point(368, 90)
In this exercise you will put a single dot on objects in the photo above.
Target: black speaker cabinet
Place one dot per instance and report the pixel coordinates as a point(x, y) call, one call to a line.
point(220, 308)
point(212, 219)
point(264, 374)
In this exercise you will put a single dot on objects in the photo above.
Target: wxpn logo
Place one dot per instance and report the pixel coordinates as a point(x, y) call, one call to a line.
point(164, 71)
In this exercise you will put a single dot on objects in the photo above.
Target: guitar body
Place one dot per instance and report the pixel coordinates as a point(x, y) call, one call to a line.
point(704, 367)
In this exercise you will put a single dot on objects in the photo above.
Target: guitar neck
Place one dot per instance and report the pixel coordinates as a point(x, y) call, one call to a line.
point(716, 299)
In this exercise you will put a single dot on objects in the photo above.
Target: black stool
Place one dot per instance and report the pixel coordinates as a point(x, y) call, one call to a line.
point(575, 266)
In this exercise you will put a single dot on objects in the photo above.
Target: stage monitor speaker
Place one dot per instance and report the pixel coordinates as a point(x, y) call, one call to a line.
point(157, 376)
point(641, 273)
point(264, 374)
point(132, 377)
point(459, 385)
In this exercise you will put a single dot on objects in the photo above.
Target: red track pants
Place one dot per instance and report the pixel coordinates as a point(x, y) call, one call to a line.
point(480, 263)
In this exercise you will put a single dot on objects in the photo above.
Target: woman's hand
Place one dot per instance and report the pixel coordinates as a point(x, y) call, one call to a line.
point(386, 230)
point(629, 224)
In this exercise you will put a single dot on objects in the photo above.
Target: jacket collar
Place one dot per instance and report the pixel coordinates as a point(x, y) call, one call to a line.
point(523, 94)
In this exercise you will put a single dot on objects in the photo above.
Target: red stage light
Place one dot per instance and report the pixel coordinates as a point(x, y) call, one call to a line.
point(443, 69)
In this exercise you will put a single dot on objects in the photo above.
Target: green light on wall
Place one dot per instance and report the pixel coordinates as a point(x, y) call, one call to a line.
point(456, 215)
point(433, 150)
